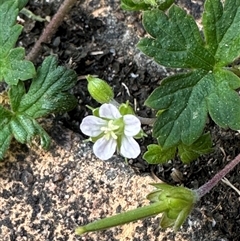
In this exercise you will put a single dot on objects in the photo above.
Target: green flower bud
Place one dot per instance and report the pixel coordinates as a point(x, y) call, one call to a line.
point(99, 90)
point(125, 109)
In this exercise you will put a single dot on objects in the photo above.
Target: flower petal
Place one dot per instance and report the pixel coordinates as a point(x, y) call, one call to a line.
point(91, 125)
point(104, 148)
point(109, 111)
point(129, 147)
point(132, 125)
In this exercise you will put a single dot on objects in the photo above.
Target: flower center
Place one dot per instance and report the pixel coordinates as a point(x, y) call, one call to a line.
point(109, 130)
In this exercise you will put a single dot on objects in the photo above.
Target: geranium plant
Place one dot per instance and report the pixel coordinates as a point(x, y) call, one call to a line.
point(22, 105)
point(183, 102)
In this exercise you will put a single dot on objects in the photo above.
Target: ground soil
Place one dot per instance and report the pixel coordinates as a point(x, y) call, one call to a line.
point(99, 38)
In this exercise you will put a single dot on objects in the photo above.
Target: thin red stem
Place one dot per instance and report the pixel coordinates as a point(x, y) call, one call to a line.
point(201, 191)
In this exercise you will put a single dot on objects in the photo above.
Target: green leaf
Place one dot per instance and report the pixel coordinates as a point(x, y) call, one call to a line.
point(187, 153)
point(211, 16)
point(13, 67)
point(221, 29)
point(20, 3)
point(224, 102)
point(156, 155)
point(184, 101)
point(15, 95)
point(175, 40)
point(48, 93)
point(202, 146)
point(131, 5)
point(25, 128)
point(5, 140)
point(10, 31)
point(135, 5)
point(5, 133)
point(5, 116)
point(22, 127)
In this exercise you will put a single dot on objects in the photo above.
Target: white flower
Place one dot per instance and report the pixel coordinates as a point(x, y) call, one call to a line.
point(114, 131)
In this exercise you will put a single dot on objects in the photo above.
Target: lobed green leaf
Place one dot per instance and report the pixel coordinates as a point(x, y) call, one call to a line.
point(48, 93)
point(175, 40)
point(156, 155)
point(187, 153)
point(25, 128)
point(13, 67)
point(202, 146)
point(185, 100)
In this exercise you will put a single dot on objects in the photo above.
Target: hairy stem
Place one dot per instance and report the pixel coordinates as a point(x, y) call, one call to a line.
point(204, 189)
point(51, 28)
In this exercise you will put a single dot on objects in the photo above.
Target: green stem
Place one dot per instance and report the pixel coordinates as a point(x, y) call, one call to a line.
point(122, 218)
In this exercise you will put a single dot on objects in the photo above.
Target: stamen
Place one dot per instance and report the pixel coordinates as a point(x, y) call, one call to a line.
point(109, 130)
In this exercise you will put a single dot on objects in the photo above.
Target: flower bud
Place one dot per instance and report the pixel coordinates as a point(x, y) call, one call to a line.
point(99, 90)
point(125, 109)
